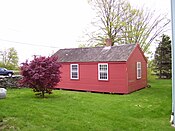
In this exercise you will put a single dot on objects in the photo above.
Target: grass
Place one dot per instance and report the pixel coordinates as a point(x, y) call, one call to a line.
point(145, 110)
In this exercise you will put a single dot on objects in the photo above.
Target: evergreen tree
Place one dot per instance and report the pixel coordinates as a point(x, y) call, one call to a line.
point(162, 57)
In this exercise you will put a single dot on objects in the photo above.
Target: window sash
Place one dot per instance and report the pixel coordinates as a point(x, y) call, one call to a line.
point(74, 71)
point(103, 71)
point(139, 70)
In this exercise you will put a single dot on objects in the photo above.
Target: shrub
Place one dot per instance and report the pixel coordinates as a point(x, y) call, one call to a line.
point(41, 74)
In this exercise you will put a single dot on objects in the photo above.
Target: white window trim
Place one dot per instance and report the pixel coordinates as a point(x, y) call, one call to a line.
point(74, 71)
point(139, 68)
point(102, 71)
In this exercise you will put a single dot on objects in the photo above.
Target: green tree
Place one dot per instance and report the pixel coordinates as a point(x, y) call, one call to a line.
point(123, 24)
point(9, 58)
point(162, 58)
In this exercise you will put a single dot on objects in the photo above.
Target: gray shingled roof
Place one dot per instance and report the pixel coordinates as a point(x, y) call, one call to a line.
point(96, 54)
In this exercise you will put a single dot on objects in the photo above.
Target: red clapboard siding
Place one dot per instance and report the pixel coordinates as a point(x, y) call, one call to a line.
point(88, 78)
point(134, 83)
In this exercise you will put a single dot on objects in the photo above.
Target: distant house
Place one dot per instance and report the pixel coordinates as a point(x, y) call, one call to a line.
point(117, 69)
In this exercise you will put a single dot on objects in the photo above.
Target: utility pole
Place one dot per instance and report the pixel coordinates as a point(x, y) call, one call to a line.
point(173, 61)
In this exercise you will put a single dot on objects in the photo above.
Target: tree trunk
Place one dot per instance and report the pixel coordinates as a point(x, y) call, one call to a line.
point(42, 93)
point(160, 76)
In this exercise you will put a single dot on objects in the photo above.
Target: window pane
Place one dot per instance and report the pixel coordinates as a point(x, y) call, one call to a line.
point(139, 71)
point(74, 71)
point(74, 67)
point(74, 75)
point(138, 65)
point(100, 67)
point(103, 75)
point(103, 67)
point(103, 72)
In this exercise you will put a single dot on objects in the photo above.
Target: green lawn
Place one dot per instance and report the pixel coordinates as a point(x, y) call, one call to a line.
point(145, 110)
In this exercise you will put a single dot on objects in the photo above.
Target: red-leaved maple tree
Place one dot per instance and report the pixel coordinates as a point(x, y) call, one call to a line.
point(41, 74)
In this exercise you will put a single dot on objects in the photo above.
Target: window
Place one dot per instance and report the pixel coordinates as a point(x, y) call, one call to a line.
point(139, 70)
point(74, 71)
point(102, 71)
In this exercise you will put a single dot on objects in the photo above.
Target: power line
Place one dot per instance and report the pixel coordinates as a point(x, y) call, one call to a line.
point(24, 43)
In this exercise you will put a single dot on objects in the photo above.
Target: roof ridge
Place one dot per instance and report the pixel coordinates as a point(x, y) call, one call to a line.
point(79, 48)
